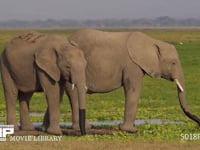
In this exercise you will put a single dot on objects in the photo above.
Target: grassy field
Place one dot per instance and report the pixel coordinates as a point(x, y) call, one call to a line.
point(158, 100)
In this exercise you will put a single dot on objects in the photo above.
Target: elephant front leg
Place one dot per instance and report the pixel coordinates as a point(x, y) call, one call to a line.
point(24, 99)
point(132, 89)
point(46, 122)
point(53, 109)
point(52, 93)
point(130, 111)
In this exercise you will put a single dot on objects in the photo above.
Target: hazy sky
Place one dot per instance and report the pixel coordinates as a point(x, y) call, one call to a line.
point(97, 9)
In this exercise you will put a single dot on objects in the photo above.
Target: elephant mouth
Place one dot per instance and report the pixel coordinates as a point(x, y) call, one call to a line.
point(167, 77)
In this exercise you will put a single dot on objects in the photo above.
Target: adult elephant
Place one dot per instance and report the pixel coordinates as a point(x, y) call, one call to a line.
point(116, 59)
point(34, 62)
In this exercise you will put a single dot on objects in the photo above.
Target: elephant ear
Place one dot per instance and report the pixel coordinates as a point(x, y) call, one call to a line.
point(144, 53)
point(46, 60)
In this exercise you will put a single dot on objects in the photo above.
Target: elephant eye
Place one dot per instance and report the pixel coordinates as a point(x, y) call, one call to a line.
point(173, 63)
point(68, 66)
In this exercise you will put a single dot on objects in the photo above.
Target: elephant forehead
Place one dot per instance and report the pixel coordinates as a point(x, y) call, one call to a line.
point(167, 50)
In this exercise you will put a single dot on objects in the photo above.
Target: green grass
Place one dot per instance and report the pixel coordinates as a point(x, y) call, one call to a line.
point(158, 98)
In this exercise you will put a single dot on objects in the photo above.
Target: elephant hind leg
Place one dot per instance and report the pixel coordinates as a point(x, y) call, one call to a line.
point(46, 121)
point(10, 93)
point(24, 99)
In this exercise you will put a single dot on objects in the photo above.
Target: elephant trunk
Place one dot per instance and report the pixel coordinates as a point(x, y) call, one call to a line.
point(79, 80)
point(182, 99)
point(81, 100)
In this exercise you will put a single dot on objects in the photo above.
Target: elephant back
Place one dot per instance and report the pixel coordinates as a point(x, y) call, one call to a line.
point(29, 37)
point(19, 56)
point(90, 40)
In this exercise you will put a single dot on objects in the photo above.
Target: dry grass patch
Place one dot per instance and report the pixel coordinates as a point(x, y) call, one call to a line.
point(99, 145)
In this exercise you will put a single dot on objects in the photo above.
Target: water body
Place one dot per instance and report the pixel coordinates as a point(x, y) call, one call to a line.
point(110, 123)
point(117, 122)
point(114, 122)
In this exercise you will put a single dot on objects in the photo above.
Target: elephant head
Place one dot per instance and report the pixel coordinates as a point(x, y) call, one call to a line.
point(60, 60)
point(159, 59)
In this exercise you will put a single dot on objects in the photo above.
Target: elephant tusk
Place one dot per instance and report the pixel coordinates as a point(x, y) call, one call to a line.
point(179, 85)
point(86, 88)
point(73, 86)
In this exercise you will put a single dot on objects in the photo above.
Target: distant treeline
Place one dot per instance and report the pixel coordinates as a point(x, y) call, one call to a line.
point(164, 21)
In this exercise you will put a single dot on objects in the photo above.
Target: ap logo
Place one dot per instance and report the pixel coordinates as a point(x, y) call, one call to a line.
point(5, 130)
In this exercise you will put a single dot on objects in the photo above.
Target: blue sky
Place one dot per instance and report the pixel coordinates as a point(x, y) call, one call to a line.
point(97, 9)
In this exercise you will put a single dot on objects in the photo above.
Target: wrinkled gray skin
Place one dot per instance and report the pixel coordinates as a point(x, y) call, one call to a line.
point(122, 59)
point(34, 62)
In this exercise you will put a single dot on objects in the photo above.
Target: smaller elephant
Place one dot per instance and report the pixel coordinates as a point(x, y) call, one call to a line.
point(35, 62)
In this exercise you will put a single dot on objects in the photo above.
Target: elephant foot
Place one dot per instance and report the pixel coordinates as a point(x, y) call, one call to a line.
point(76, 126)
point(44, 128)
point(27, 127)
point(128, 128)
point(54, 130)
point(16, 127)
